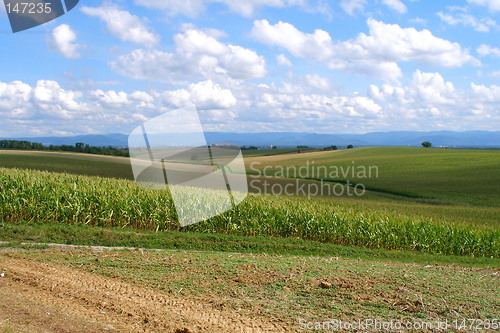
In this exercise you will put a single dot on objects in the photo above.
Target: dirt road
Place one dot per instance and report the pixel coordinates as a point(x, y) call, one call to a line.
point(39, 297)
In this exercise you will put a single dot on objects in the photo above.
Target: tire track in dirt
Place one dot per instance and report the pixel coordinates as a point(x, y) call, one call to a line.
point(115, 305)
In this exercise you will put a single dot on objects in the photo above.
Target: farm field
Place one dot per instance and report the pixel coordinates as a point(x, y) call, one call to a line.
point(73, 163)
point(421, 244)
point(104, 202)
point(387, 210)
point(460, 196)
point(441, 176)
point(268, 152)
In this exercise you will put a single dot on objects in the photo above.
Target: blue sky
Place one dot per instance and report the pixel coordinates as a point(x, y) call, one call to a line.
point(255, 66)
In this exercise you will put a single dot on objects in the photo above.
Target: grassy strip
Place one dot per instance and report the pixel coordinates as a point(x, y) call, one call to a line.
point(49, 197)
point(24, 245)
point(15, 233)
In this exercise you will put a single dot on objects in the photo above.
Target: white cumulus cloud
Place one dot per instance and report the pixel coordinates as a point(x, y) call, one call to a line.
point(206, 95)
point(122, 24)
point(282, 60)
point(351, 6)
point(396, 5)
point(63, 39)
point(197, 55)
point(488, 94)
point(318, 45)
point(486, 50)
point(308, 102)
point(390, 42)
point(495, 74)
point(376, 54)
point(425, 89)
point(248, 7)
point(15, 99)
point(484, 24)
point(429, 101)
point(492, 5)
point(111, 98)
point(194, 8)
point(45, 99)
point(318, 81)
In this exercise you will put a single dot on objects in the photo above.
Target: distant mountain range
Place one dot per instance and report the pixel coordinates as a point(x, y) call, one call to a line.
point(471, 139)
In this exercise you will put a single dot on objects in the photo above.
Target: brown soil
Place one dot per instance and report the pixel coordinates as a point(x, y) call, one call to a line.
point(37, 297)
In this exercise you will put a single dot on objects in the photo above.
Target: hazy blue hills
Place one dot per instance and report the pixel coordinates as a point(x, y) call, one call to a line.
point(472, 139)
point(96, 140)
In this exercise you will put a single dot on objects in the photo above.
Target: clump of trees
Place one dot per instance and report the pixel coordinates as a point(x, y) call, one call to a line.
point(79, 147)
point(21, 145)
point(330, 148)
point(301, 148)
point(224, 146)
point(426, 144)
point(249, 148)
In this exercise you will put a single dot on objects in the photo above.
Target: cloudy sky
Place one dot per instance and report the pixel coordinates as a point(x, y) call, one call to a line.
point(350, 66)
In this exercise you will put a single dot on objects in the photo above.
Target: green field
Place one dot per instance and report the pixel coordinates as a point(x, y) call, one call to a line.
point(442, 185)
point(441, 176)
point(435, 176)
point(376, 221)
point(73, 163)
point(408, 214)
point(269, 152)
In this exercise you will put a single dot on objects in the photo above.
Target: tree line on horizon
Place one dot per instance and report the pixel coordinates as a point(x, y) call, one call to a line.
point(79, 147)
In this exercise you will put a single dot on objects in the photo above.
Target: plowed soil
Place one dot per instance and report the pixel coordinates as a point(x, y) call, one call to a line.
point(38, 297)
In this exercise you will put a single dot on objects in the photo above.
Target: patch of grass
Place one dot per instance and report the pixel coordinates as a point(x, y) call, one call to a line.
point(8, 329)
point(26, 246)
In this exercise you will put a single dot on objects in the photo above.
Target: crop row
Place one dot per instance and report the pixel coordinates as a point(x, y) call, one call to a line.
point(61, 198)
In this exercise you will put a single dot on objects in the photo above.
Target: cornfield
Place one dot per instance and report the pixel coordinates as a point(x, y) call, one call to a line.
point(102, 202)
